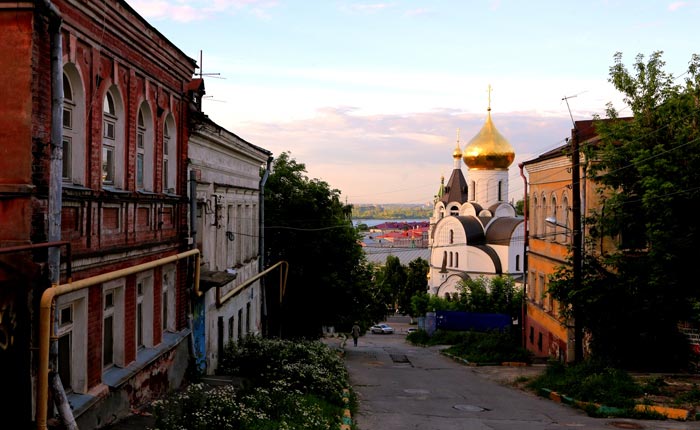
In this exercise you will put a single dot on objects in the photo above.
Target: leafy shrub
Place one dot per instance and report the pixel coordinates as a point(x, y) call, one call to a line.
point(288, 385)
point(491, 347)
point(590, 381)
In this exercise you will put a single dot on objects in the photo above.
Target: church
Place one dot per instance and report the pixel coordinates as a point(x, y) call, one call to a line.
point(474, 230)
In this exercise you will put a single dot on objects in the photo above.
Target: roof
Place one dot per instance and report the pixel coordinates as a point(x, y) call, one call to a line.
point(500, 230)
point(456, 188)
point(378, 255)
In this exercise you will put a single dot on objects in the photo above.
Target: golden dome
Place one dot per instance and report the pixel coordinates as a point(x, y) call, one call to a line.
point(457, 153)
point(488, 150)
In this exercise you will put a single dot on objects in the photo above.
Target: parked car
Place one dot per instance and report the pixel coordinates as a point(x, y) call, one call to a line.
point(411, 330)
point(382, 329)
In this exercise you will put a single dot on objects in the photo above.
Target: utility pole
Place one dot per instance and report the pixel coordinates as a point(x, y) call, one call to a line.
point(576, 238)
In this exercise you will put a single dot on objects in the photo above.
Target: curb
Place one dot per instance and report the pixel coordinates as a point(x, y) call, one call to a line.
point(469, 363)
point(671, 413)
point(346, 420)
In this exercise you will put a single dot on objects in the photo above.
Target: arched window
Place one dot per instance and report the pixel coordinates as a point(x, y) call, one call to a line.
point(112, 140)
point(473, 188)
point(533, 216)
point(451, 260)
point(566, 216)
point(457, 260)
point(554, 230)
point(500, 191)
point(73, 126)
point(452, 237)
point(144, 149)
point(169, 156)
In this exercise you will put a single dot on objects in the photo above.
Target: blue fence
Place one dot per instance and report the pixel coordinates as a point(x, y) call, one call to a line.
point(464, 321)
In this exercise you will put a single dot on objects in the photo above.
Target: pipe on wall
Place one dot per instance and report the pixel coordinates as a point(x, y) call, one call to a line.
point(48, 303)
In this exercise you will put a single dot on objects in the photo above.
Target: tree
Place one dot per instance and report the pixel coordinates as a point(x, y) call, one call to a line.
point(307, 225)
point(416, 283)
point(392, 280)
point(647, 169)
point(491, 295)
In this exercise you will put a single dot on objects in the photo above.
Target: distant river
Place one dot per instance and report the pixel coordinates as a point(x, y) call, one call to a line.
point(372, 222)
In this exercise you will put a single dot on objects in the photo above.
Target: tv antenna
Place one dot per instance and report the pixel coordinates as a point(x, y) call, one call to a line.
point(201, 69)
point(213, 75)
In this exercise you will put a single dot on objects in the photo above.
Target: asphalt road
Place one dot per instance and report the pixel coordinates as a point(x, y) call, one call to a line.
point(403, 387)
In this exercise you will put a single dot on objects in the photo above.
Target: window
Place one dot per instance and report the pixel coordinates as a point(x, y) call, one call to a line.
point(240, 326)
point(71, 312)
point(73, 126)
point(247, 317)
point(108, 141)
point(168, 298)
point(67, 173)
point(113, 139)
point(231, 322)
point(139, 315)
point(169, 155)
point(140, 135)
point(113, 324)
point(65, 324)
point(144, 310)
point(220, 336)
point(145, 147)
point(108, 330)
point(500, 191)
point(457, 260)
point(452, 237)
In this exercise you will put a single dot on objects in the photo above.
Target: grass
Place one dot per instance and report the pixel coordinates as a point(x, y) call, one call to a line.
point(475, 347)
point(617, 390)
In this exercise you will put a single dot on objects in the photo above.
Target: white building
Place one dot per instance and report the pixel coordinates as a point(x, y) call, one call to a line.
point(474, 231)
point(226, 171)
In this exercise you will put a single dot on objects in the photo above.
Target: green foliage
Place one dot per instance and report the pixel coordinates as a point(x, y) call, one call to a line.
point(305, 365)
point(416, 283)
point(492, 347)
point(330, 281)
point(491, 295)
point(647, 169)
point(475, 347)
point(290, 386)
point(590, 381)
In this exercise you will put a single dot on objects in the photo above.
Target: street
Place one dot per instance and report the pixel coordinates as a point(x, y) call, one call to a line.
point(400, 387)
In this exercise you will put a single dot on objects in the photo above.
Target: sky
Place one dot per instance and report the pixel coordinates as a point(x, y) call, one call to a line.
point(370, 96)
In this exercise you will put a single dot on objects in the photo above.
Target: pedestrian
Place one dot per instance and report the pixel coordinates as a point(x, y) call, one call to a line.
point(355, 332)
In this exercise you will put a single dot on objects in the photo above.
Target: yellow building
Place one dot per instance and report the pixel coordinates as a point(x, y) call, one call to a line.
point(550, 225)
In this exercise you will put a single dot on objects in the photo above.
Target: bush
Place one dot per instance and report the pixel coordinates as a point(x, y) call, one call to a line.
point(288, 385)
point(491, 347)
point(590, 381)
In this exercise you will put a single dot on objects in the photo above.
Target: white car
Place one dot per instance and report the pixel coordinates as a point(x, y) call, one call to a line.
point(381, 329)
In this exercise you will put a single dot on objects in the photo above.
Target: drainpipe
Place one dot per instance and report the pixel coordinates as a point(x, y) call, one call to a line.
point(55, 191)
point(261, 236)
point(48, 303)
point(525, 247)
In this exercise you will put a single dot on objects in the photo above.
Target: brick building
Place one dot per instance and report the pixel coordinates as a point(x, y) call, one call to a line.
point(93, 150)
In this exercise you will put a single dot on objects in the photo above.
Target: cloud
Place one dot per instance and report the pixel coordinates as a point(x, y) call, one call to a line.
point(197, 10)
point(371, 7)
point(674, 6)
point(396, 158)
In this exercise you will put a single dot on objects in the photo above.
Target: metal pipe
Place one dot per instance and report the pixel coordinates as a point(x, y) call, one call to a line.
point(284, 272)
point(525, 247)
point(45, 310)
